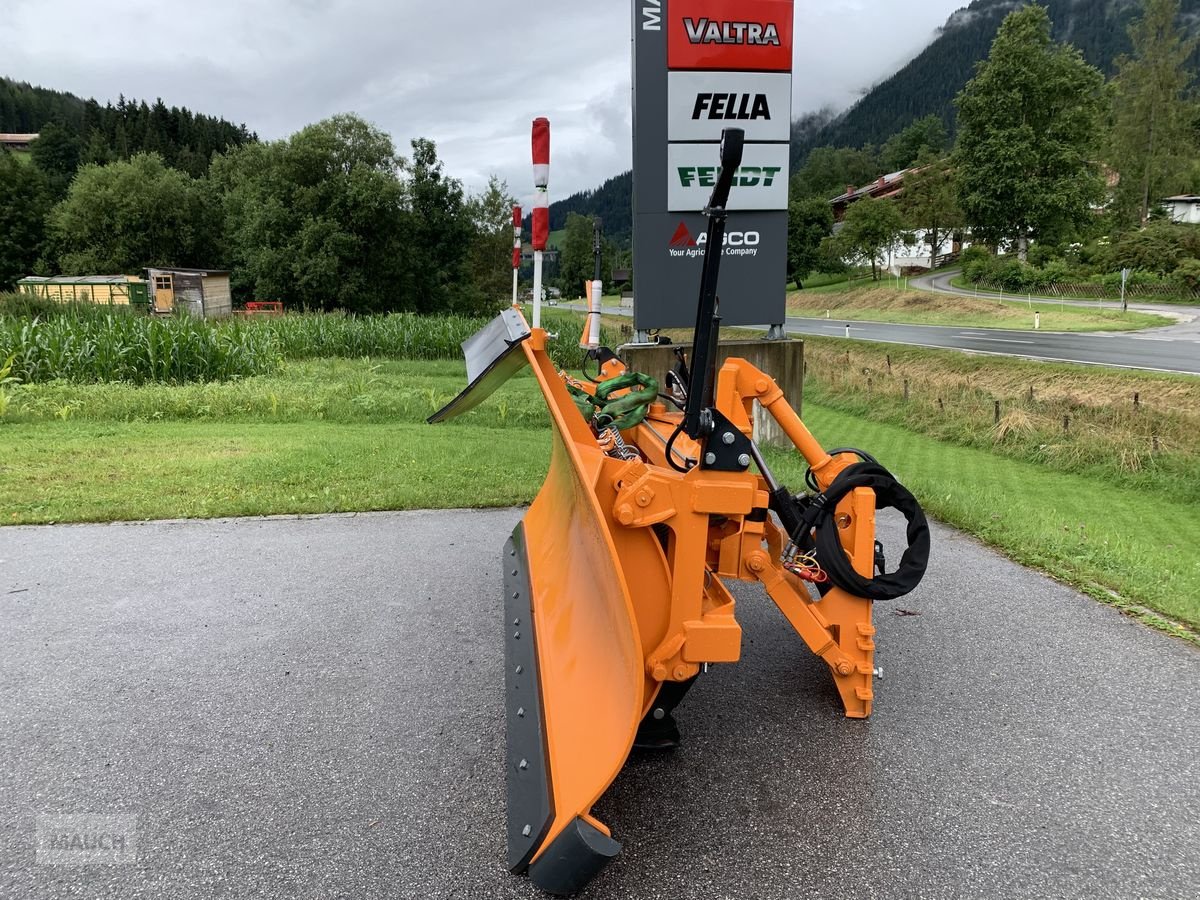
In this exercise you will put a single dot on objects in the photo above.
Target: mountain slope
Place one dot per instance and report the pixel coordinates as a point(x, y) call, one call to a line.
point(929, 84)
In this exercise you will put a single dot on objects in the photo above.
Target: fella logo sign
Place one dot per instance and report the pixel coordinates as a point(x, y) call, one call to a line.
point(732, 107)
point(719, 35)
point(701, 104)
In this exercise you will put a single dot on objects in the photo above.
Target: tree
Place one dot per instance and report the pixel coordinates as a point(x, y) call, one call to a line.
point(1153, 135)
point(489, 262)
point(129, 215)
point(924, 136)
point(930, 201)
point(577, 255)
point(439, 237)
point(809, 223)
point(870, 229)
point(23, 205)
point(319, 220)
point(56, 153)
point(829, 170)
point(1028, 125)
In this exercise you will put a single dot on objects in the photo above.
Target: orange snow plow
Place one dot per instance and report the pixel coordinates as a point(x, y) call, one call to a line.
point(614, 583)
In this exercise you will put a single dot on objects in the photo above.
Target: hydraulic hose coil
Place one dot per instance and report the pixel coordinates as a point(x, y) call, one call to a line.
point(889, 493)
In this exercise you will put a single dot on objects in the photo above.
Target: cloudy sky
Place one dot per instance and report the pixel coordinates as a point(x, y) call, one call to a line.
point(470, 74)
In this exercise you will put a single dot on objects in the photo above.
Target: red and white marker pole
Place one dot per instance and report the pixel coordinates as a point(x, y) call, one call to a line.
point(516, 251)
point(541, 208)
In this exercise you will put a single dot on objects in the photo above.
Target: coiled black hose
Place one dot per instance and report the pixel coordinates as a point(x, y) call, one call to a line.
point(889, 493)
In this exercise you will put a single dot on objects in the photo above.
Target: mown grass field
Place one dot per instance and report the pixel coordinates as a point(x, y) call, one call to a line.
point(1112, 504)
point(887, 304)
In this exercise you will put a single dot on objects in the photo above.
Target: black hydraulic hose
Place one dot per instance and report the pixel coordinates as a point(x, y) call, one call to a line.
point(671, 451)
point(889, 493)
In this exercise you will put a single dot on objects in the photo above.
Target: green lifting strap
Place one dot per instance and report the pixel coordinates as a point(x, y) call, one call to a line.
point(626, 411)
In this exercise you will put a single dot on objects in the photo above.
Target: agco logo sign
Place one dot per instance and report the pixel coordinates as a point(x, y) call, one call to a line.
point(685, 245)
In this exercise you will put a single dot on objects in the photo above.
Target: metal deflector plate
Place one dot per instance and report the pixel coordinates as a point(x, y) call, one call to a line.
point(493, 356)
point(530, 805)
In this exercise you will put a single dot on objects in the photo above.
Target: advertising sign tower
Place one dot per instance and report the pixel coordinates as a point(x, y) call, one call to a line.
point(700, 66)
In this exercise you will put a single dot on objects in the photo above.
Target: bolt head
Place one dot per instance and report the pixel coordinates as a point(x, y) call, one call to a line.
point(710, 458)
point(526, 831)
point(523, 764)
point(520, 669)
point(625, 514)
point(516, 635)
point(744, 460)
point(660, 713)
point(520, 712)
point(728, 437)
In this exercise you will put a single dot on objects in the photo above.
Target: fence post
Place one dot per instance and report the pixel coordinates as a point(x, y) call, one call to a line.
point(1031, 393)
point(1137, 402)
point(1066, 423)
point(905, 390)
point(941, 405)
point(996, 418)
point(889, 363)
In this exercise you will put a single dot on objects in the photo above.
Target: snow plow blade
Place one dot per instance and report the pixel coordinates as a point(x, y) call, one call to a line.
point(615, 597)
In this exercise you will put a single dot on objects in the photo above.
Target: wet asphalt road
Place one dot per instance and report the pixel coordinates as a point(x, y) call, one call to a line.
point(312, 708)
point(1160, 351)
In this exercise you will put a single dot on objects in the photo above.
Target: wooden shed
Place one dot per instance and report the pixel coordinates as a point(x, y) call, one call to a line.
point(204, 293)
point(113, 290)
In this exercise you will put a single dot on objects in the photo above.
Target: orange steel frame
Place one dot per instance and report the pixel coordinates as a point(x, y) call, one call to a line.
point(673, 538)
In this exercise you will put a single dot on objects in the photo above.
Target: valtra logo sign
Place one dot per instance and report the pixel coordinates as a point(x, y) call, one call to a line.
point(718, 35)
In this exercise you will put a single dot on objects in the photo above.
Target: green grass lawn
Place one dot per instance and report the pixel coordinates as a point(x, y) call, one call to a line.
point(883, 303)
point(349, 435)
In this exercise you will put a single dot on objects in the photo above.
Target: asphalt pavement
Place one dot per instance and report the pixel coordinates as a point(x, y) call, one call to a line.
point(312, 707)
point(1153, 351)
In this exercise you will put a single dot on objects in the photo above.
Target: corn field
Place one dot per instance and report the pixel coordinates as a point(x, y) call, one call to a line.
point(99, 344)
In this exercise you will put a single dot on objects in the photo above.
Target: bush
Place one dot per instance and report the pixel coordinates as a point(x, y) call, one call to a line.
point(1187, 275)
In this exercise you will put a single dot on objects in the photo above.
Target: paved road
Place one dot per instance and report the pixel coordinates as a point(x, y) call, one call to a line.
point(941, 283)
point(298, 708)
point(1172, 349)
point(1144, 350)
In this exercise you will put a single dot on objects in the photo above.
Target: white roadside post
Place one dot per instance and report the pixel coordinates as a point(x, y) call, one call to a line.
point(591, 334)
point(516, 252)
point(541, 208)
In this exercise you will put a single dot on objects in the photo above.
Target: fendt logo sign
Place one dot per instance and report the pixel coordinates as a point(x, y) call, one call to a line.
point(701, 104)
point(760, 183)
point(684, 245)
point(719, 35)
point(746, 177)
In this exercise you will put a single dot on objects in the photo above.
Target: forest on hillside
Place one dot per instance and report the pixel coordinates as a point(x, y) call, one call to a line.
point(92, 133)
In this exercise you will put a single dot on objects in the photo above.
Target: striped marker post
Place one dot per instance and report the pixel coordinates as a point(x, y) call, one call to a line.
point(516, 251)
point(541, 208)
